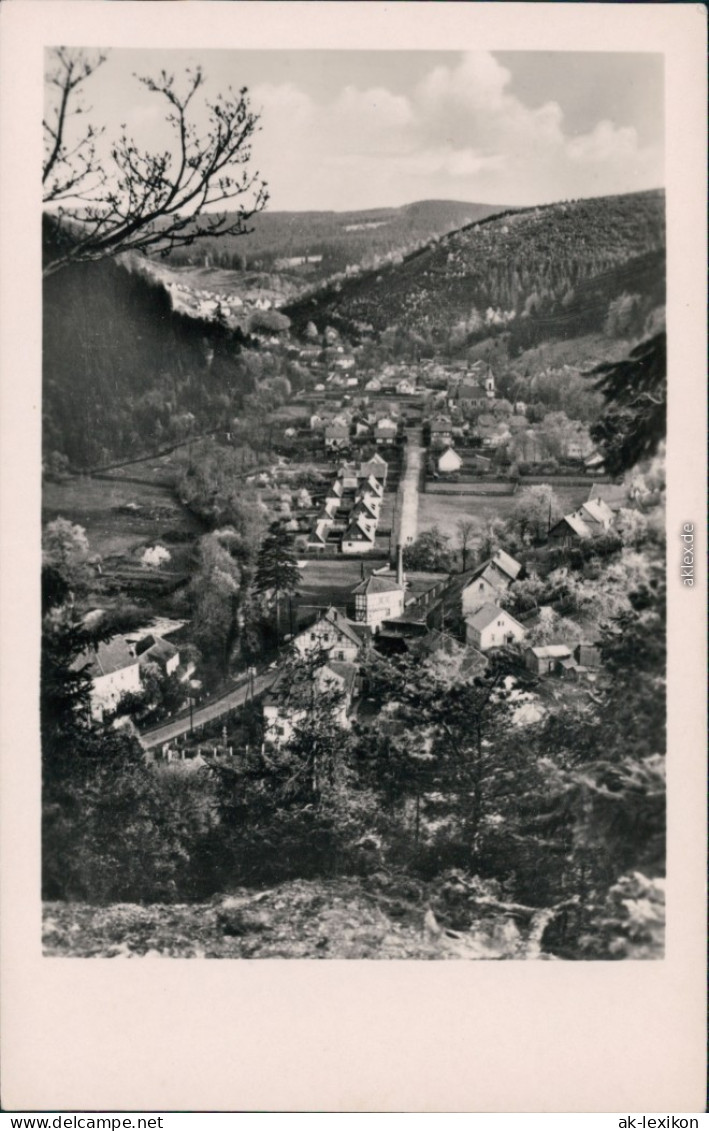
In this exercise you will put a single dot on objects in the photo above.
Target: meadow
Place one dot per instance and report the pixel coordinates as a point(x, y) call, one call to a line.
point(445, 511)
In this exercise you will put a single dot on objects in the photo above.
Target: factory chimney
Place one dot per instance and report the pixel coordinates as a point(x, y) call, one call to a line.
point(400, 565)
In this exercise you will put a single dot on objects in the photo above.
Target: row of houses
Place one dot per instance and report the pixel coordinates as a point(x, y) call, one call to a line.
point(340, 427)
point(349, 514)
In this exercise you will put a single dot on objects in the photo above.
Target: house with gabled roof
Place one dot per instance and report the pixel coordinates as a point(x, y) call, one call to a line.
point(597, 515)
point(492, 627)
point(614, 495)
point(591, 519)
point(449, 462)
point(369, 485)
point(114, 668)
point(154, 650)
point(569, 530)
point(544, 658)
point(594, 463)
point(506, 565)
point(332, 634)
point(318, 537)
point(488, 581)
point(378, 598)
point(367, 506)
point(359, 537)
point(376, 466)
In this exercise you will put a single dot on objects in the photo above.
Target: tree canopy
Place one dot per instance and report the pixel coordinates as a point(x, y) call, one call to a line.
point(634, 421)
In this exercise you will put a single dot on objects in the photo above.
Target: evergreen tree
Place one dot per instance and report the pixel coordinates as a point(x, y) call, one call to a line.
point(277, 572)
point(634, 422)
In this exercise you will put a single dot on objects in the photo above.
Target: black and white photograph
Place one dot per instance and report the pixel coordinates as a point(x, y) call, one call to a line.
point(355, 550)
point(354, 399)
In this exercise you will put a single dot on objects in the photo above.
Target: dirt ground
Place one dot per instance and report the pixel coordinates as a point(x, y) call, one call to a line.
point(375, 917)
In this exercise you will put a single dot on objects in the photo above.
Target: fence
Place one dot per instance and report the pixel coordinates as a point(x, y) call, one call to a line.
point(481, 488)
point(313, 554)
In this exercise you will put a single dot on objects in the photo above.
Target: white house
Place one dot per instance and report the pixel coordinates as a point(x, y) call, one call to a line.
point(377, 467)
point(366, 506)
point(449, 461)
point(370, 485)
point(377, 599)
point(347, 476)
point(492, 627)
point(488, 581)
point(114, 668)
point(317, 538)
point(596, 514)
point(359, 536)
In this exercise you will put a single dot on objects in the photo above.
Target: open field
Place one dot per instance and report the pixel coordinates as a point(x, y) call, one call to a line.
point(94, 503)
point(444, 511)
point(327, 583)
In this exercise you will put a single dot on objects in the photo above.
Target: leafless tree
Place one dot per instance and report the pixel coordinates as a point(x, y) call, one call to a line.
point(140, 199)
point(466, 530)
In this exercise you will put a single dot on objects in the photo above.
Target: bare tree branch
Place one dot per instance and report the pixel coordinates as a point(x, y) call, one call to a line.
point(146, 200)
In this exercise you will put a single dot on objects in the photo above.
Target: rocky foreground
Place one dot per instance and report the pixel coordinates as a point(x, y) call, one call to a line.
point(378, 916)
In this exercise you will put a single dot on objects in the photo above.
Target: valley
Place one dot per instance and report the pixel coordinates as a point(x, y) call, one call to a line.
point(334, 536)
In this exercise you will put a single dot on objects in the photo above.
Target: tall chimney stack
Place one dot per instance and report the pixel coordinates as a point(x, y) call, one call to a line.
point(400, 565)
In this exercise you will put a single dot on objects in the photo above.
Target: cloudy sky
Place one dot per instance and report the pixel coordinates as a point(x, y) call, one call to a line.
point(356, 129)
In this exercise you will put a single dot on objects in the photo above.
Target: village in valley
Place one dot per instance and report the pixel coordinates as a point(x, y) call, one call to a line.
point(353, 582)
point(386, 446)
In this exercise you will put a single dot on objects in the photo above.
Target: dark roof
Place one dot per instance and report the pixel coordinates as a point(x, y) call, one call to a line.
point(377, 584)
point(109, 656)
point(155, 648)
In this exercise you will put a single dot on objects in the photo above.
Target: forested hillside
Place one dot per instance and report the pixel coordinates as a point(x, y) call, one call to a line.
point(333, 240)
point(122, 370)
point(540, 271)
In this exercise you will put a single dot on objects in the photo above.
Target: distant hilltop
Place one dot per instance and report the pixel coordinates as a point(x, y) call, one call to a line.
point(552, 269)
point(318, 245)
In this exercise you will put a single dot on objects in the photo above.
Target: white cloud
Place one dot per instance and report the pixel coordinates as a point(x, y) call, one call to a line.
point(605, 142)
point(461, 132)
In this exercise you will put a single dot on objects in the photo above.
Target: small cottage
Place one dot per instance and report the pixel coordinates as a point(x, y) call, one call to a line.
point(449, 462)
point(492, 627)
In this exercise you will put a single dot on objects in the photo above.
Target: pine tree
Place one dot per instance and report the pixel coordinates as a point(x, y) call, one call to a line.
point(277, 572)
